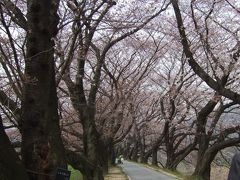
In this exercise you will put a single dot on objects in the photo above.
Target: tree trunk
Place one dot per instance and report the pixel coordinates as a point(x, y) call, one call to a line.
point(135, 152)
point(105, 157)
point(202, 172)
point(11, 166)
point(127, 151)
point(169, 149)
point(108, 156)
point(92, 144)
point(203, 168)
point(205, 158)
point(181, 155)
point(154, 157)
point(170, 162)
point(143, 158)
point(113, 156)
point(42, 147)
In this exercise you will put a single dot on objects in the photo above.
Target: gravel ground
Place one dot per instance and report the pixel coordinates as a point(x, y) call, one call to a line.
point(115, 173)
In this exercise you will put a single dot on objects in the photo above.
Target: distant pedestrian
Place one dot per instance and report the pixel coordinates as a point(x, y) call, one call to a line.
point(120, 159)
point(234, 171)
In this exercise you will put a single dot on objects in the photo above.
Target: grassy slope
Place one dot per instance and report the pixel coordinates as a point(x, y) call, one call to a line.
point(217, 172)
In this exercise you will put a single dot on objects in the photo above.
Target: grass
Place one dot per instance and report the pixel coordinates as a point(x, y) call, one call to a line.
point(75, 174)
point(217, 172)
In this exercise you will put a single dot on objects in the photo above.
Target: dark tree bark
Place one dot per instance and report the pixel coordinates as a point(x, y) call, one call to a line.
point(11, 166)
point(113, 155)
point(203, 168)
point(202, 171)
point(135, 152)
point(143, 157)
point(181, 155)
point(158, 142)
point(202, 138)
point(154, 157)
point(206, 151)
point(42, 147)
point(169, 149)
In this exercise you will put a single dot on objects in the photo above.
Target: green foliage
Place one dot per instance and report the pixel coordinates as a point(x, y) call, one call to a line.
point(75, 174)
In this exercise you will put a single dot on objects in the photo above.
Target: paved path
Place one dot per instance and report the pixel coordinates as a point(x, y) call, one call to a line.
point(138, 172)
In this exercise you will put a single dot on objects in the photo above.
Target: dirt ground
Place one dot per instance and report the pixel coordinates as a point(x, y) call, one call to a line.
point(219, 173)
point(115, 173)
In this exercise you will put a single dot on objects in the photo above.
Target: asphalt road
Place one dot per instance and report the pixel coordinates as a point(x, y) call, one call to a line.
point(138, 172)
